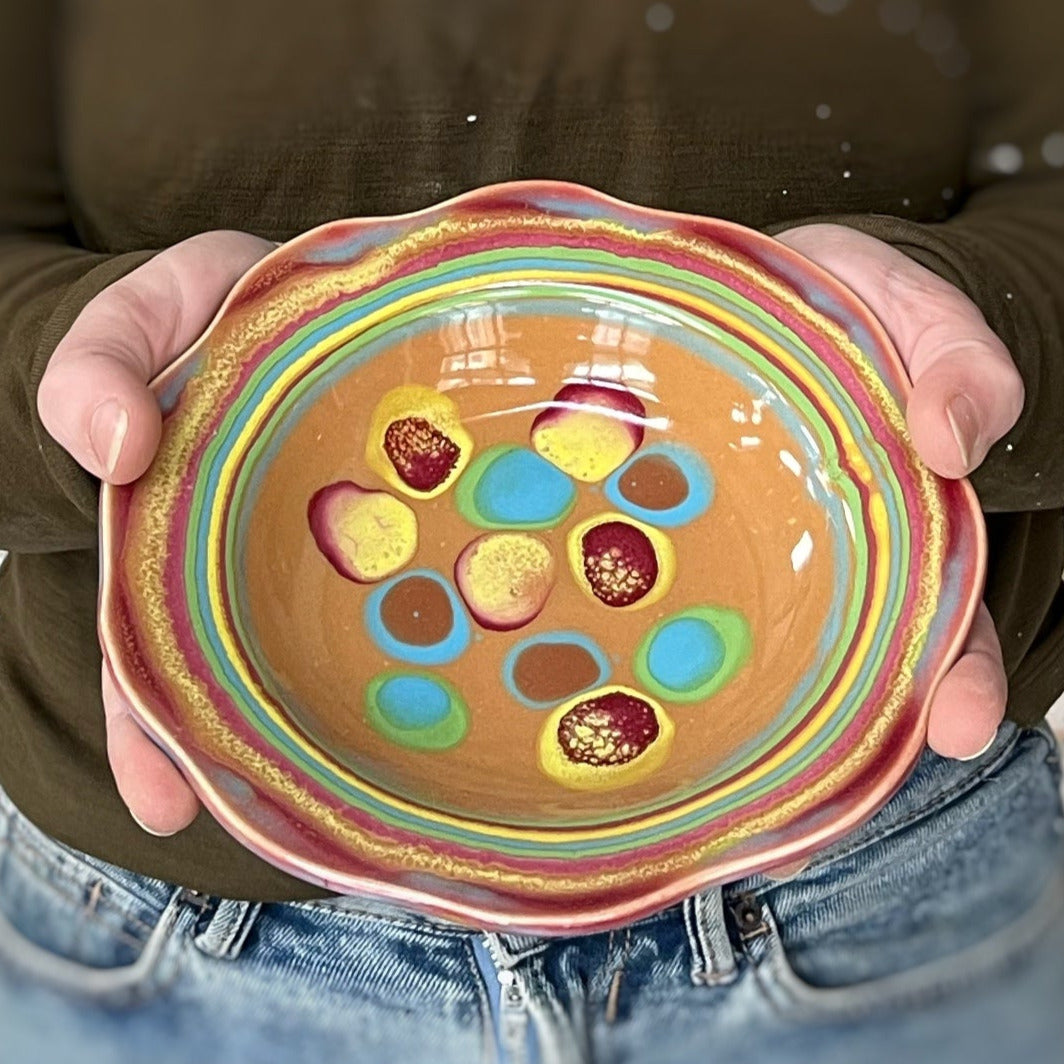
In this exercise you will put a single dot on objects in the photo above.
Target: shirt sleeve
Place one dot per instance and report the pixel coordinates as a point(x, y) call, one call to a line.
point(1004, 245)
point(47, 502)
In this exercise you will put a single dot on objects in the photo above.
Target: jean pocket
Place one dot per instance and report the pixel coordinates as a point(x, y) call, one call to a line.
point(955, 891)
point(76, 925)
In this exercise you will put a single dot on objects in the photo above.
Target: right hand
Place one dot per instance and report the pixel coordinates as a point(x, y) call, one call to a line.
point(95, 400)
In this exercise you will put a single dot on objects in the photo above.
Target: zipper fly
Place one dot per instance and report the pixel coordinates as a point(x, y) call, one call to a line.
point(514, 1018)
point(509, 1004)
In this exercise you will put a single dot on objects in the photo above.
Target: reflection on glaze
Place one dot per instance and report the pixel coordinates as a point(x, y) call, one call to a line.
point(542, 670)
point(417, 711)
point(605, 739)
point(417, 442)
point(513, 487)
point(691, 655)
point(417, 618)
point(802, 552)
point(588, 430)
point(665, 484)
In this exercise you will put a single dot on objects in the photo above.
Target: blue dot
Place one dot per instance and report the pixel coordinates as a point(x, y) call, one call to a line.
point(685, 654)
point(412, 702)
point(521, 488)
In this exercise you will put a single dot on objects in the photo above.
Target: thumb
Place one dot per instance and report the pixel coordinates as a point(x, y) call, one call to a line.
point(967, 392)
point(94, 397)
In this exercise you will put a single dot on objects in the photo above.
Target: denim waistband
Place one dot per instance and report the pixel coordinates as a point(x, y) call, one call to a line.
point(79, 874)
point(932, 782)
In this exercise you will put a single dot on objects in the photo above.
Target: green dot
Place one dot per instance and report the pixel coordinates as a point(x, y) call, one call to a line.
point(691, 655)
point(510, 487)
point(415, 710)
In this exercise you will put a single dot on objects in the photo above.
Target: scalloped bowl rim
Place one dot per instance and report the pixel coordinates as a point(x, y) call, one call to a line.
point(613, 913)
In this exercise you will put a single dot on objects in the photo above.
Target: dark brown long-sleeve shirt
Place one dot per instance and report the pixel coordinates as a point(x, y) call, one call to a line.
point(126, 126)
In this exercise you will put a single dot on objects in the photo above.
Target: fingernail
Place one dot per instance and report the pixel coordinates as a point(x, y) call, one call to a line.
point(107, 431)
point(972, 757)
point(151, 831)
point(964, 421)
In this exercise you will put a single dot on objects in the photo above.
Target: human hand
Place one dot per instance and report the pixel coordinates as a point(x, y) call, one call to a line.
point(967, 393)
point(95, 400)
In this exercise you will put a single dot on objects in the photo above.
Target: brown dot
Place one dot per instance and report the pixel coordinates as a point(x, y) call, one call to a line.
point(654, 482)
point(417, 611)
point(550, 672)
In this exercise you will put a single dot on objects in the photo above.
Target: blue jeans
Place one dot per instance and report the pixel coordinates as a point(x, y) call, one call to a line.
point(934, 933)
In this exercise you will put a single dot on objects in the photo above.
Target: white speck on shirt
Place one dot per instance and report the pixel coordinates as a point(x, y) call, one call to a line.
point(1005, 159)
point(660, 17)
point(1053, 149)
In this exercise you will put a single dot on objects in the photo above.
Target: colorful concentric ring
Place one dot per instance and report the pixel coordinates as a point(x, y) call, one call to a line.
point(909, 554)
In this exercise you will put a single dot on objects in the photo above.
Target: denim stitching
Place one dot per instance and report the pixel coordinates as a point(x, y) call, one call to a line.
point(513, 947)
point(60, 887)
point(77, 900)
point(705, 969)
point(405, 923)
point(698, 966)
point(75, 869)
point(934, 804)
point(228, 928)
point(554, 1027)
point(718, 960)
point(124, 935)
point(128, 983)
point(869, 997)
point(705, 939)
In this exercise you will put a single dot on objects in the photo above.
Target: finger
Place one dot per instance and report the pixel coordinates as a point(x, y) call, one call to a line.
point(101, 410)
point(962, 404)
point(969, 705)
point(967, 392)
point(158, 797)
point(93, 397)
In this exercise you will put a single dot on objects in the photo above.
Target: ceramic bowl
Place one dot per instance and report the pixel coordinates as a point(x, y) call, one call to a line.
point(536, 559)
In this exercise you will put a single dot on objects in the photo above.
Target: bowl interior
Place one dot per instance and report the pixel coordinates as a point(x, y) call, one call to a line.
point(774, 546)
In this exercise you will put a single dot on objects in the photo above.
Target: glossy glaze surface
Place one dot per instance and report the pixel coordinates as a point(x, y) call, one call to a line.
point(661, 459)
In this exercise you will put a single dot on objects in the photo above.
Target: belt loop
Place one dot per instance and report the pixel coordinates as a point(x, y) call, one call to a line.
point(228, 929)
point(712, 957)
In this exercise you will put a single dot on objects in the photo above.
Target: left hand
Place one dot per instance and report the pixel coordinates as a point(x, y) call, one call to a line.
point(967, 393)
